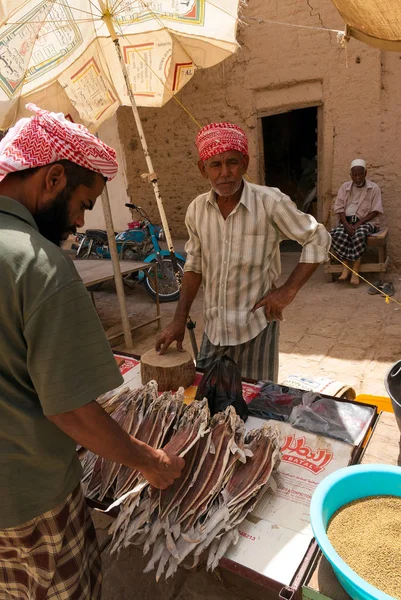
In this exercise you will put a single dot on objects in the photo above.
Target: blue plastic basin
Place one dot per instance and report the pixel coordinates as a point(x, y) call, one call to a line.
point(339, 488)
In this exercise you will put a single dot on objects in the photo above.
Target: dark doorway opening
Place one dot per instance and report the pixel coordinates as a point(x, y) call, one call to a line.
point(290, 156)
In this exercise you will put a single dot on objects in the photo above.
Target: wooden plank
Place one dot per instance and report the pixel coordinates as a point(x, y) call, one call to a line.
point(364, 268)
point(383, 446)
point(378, 239)
point(98, 271)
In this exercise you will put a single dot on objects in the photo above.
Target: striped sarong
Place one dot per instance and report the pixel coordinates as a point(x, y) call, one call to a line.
point(52, 557)
point(257, 359)
point(351, 248)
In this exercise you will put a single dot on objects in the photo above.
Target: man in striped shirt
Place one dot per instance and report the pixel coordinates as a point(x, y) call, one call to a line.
point(235, 232)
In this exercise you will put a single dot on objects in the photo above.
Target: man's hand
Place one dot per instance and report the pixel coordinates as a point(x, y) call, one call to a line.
point(275, 302)
point(350, 229)
point(174, 332)
point(163, 470)
point(359, 224)
point(91, 427)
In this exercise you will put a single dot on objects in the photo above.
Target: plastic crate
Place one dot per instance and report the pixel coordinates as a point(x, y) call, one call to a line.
point(383, 403)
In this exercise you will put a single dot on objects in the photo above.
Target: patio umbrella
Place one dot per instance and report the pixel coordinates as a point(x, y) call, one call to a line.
point(85, 58)
point(375, 22)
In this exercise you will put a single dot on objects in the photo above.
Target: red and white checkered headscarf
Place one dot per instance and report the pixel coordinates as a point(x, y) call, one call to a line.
point(217, 138)
point(48, 137)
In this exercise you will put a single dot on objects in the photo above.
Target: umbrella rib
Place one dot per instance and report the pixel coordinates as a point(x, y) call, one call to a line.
point(158, 19)
point(162, 82)
point(60, 28)
point(86, 12)
point(81, 10)
point(115, 7)
point(50, 21)
point(118, 12)
point(96, 8)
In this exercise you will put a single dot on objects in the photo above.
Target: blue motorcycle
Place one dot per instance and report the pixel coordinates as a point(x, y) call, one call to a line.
point(138, 243)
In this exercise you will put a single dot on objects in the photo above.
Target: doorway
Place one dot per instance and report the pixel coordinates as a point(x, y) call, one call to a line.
point(290, 158)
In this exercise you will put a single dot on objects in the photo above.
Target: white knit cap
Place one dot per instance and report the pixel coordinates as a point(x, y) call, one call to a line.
point(358, 162)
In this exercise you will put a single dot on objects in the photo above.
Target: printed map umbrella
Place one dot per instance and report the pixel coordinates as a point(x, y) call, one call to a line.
point(65, 49)
point(85, 58)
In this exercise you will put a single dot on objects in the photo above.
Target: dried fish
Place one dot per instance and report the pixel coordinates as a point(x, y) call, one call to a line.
point(153, 429)
point(96, 479)
point(191, 427)
point(263, 443)
point(171, 498)
point(224, 477)
point(110, 469)
point(88, 462)
point(227, 437)
point(111, 400)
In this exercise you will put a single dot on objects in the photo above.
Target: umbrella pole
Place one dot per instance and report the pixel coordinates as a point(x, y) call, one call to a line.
point(116, 269)
point(152, 175)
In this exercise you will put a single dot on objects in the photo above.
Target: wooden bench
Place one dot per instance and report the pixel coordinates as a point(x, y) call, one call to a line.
point(377, 240)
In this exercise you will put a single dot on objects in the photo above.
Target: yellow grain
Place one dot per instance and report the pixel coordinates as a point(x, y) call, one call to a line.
point(367, 535)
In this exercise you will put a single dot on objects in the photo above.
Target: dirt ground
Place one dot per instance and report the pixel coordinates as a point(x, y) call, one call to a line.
point(332, 329)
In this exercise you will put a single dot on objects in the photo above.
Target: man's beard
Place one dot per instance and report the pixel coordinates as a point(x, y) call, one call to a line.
point(223, 194)
point(53, 221)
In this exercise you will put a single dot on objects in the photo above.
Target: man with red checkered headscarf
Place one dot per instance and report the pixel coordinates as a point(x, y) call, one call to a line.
point(234, 235)
point(55, 361)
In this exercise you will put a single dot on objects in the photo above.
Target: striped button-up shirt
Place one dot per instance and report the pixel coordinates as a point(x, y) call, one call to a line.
point(239, 257)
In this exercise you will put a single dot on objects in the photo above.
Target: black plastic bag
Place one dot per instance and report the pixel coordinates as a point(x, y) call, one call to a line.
point(221, 385)
point(274, 401)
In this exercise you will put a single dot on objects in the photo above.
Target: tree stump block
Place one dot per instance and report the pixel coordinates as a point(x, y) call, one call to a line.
point(170, 370)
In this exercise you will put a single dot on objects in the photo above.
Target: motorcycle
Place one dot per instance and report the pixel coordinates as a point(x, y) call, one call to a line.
point(140, 242)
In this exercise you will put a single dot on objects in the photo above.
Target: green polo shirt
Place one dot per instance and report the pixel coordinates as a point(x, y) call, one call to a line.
point(54, 358)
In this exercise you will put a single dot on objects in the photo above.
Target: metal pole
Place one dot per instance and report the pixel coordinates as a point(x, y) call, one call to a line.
point(152, 175)
point(118, 278)
point(191, 330)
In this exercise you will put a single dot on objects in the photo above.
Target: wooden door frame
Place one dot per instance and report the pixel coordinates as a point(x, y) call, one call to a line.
point(319, 139)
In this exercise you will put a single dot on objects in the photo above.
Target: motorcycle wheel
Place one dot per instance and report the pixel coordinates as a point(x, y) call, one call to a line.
point(86, 249)
point(166, 280)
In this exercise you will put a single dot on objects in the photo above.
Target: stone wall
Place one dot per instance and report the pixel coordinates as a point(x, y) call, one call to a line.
point(277, 69)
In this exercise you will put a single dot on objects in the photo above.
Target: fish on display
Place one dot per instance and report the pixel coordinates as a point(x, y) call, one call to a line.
point(225, 475)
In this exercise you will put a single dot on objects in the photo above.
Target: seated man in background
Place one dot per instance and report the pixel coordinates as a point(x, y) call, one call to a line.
point(358, 206)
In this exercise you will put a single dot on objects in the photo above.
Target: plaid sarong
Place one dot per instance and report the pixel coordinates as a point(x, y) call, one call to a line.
point(52, 557)
point(257, 359)
point(351, 248)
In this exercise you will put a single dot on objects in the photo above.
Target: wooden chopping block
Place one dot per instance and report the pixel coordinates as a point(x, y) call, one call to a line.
point(170, 370)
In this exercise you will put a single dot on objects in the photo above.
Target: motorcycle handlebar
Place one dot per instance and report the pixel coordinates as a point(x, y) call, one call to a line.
point(138, 209)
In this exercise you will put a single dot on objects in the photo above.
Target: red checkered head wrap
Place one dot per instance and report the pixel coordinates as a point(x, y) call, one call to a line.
point(48, 137)
point(217, 138)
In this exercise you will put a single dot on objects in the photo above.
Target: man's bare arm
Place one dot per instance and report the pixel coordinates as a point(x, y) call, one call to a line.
point(276, 301)
point(349, 227)
point(175, 331)
point(367, 219)
point(95, 430)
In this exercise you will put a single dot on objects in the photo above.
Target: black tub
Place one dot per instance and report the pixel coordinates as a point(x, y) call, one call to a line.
point(393, 387)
